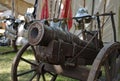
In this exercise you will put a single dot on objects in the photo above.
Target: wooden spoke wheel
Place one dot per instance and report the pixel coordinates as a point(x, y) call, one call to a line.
point(106, 66)
point(26, 67)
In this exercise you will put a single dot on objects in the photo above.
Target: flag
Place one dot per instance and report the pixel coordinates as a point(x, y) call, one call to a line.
point(45, 12)
point(67, 12)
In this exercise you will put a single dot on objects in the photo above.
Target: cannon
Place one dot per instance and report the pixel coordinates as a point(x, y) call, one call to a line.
point(57, 46)
point(54, 51)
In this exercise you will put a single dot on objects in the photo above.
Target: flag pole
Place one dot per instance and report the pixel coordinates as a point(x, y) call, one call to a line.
point(59, 9)
point(69, 14)
point(51, 1)
point(35, 8)
point(13, 8)
point(55, 8)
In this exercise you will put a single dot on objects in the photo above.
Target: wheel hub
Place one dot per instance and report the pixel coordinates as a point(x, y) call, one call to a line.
point(39, 68)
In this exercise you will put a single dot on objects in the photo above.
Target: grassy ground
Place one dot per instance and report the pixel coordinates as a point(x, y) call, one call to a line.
point(6, 63)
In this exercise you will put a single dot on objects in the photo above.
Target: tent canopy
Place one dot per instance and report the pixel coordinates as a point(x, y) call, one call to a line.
point(93, 6)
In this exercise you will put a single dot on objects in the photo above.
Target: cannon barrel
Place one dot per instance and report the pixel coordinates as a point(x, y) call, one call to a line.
point(39, 33)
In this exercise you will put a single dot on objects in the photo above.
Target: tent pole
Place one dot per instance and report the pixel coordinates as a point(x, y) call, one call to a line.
point(84, 3)
point(93, 3)
point(92, 12)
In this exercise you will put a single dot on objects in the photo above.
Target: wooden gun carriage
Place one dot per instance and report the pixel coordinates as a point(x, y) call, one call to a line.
point(55, 51)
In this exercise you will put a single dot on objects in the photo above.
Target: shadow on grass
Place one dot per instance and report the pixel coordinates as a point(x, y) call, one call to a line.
point(7, 50)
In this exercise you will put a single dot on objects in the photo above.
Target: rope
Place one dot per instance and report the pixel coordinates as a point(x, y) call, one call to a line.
point(77, 55)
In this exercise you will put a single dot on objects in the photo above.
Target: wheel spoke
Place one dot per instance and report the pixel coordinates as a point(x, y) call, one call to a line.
point(34, 52)
point(38, 77)
point(43, 76)
point(54, 77)
point(33, 76)
point(118, 69)
point(118, 63)
point(34, 72)
point(107, 71)
point(113, 65)
point(50, 73)
point(28, 61)
point(23, 73)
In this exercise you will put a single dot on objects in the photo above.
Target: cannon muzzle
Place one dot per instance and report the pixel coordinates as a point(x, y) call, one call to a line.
point(35, 33)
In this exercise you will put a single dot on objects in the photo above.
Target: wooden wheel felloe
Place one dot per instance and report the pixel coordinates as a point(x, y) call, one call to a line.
point(106, 66)
point(26, 65)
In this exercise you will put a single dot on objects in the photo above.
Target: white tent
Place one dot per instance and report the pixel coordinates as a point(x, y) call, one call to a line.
point(6, 13)
point(101, 6)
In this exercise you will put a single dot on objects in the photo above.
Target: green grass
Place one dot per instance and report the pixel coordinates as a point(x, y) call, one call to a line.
point(5, 48)
point(5, 66)
point(6, 63)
